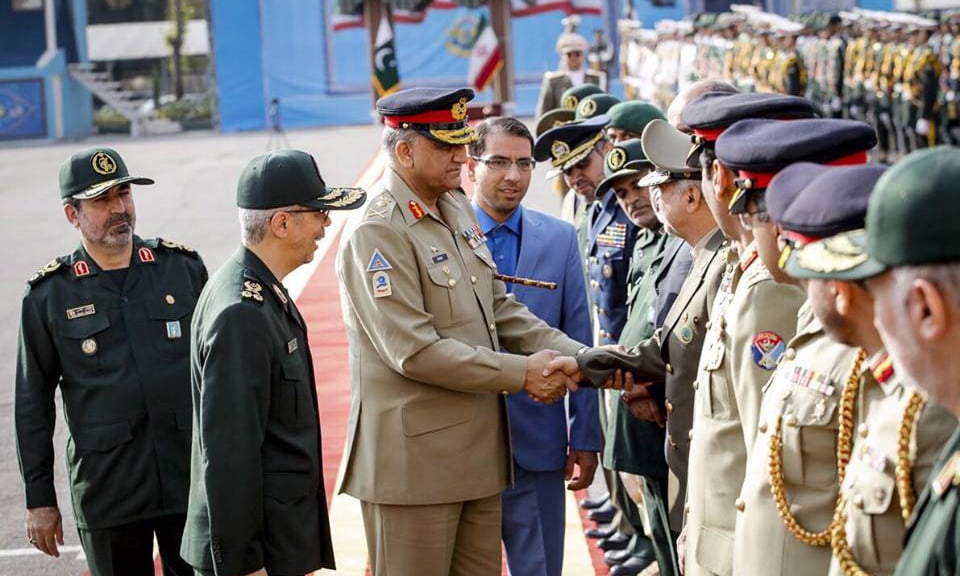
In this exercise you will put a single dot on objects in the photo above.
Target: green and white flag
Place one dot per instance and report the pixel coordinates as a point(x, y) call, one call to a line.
point(386, 77)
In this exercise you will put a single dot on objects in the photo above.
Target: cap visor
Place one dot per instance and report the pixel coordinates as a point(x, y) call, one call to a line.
point(693, 156)
point(654, 178)
point(738, 204)
point(102, 187)
point(840, 257)
point(338, 199)
point(607, 183)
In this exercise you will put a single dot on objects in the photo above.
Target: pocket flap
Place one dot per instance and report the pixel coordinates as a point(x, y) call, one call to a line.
point(441, 278)
point(159, 308)
point(713, 551)
point(813, 408)
point(431, 415)
point(293, 368)
point(877, 490)
point(84, 327)
point(288, 486)
point(103, 437)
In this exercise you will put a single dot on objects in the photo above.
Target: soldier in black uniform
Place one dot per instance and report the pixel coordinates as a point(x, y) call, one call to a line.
point(257, 502)
point(109, 324)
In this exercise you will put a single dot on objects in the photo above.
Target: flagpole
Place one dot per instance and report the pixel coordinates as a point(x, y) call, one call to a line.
point(372, 12)
point(503, 85)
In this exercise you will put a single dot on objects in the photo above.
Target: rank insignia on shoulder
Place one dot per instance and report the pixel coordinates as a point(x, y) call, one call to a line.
point(766, 348)
point(81, 269)
point(51, 267)
point(378, 262)
point(381, 285)
point(81, 311)
point(176, 246)
point(146, 255)
point(382, 207)
point(252, 291)
point(948, 476)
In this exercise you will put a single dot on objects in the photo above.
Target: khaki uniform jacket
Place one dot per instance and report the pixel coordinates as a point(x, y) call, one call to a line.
point(120, 357)
point(671, 356)
point(752, 319)
point(557, 82)
point(427, 323)
point(874, 525)
point(805, 391)
point(257, 495)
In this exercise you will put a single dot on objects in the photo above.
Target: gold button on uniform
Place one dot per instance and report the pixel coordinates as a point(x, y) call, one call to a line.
point(696, 384)
point(492, 326)
point(740, 504)
point(473, 279)
point(169, 299)
point(790, 354)
point(452, 282)
point(792, 420)
point(858, 500)
point(669, 407)
point(863, 430)
point(669, 368)
point(762, 427)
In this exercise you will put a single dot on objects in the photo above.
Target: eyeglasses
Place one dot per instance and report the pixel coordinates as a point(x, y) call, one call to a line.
point(762, 216)
point(501, 164)
point(321, 211)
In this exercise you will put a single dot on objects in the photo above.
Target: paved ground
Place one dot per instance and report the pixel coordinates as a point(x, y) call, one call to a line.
point(192, 203)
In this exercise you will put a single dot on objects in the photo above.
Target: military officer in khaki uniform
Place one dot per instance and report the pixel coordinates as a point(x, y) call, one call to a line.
point(434, 342)
point(916, 292)
point(109, 325)
point(898, 434)
point(572, 50)
point(792, 459)
point(751, 312)
point(257, 500)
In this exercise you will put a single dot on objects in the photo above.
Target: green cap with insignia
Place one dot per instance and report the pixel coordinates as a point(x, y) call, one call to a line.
point(92, 172)
point(571, 97)
point(633, 116)
point(552, 119)
point(914, 208)
point(291, 177)
point(626, 159)
point(595, 105)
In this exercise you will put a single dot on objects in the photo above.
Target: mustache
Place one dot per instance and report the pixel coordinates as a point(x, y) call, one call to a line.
point(119, 219)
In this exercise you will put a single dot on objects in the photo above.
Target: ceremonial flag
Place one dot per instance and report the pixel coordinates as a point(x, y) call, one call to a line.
point(485, 57)
point(386, 77)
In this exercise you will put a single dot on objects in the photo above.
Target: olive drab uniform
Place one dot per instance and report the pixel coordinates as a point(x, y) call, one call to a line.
point(897, 440)
point(752, 318)
point(120, 356)
point(790, 489)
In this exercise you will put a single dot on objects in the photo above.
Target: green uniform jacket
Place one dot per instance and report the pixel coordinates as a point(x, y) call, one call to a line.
point(634, 445)
point(257, 494)
point(120, 358)
point(933, 538)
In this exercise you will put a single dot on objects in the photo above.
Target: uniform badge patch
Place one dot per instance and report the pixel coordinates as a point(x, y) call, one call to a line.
point(685, 334)
point(252, 291)
point(81, 269)
point(767, 347)
point(81, 311)
point(89, 346)
point(292, 346)
point(173, 330)
point(440, 258)
point(378, 262)
point(415, 209)
point(279, 292)
point(146, 254)
point(381, 285)
point(607, 271)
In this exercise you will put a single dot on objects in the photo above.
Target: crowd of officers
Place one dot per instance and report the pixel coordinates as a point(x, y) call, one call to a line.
point(899, 72)
point(755, 421)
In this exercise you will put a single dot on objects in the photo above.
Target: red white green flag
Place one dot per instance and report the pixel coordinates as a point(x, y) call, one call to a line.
point(485, 57)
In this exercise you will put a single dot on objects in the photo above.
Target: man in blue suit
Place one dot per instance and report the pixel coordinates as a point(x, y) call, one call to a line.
point(533, 245)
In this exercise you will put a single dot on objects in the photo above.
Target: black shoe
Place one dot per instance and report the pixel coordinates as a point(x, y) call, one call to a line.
point(614, 557)
point(603, 514)
point(593, 504)
point(617, 541)
point(632, 566)
point(599, 532)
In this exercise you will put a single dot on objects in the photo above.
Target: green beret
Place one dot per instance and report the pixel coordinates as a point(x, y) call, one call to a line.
point(572, 96)
point(595, 105)
point(633, 115)
point(912, 215)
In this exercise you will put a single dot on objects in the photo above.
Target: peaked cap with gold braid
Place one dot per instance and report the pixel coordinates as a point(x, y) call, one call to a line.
point(438, 113)
point(568, 144)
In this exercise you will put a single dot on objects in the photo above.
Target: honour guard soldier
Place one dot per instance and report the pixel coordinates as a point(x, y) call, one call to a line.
point(428, 448)
point(751, 311)
point(257, 500)
point(771, 537)
point(923, 77)
point(572, 50)
point(915, 285)
point(898, 433)
point(109, 325)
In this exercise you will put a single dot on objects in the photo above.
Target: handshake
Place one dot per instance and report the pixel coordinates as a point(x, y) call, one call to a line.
point(550, 375)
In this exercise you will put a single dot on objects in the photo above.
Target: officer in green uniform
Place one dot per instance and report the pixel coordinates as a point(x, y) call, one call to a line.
point(257, 502)
point(910, 241)
point(109, 324)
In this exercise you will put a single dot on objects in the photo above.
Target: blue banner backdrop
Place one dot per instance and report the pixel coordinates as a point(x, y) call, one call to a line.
point(22, 113)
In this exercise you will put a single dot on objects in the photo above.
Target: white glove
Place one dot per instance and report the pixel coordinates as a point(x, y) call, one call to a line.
point(923, 126)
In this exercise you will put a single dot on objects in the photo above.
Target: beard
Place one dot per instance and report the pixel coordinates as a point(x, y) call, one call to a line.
point(116, 233)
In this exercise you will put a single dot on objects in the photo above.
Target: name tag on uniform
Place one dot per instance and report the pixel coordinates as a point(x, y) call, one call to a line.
point(173, 330)
point(81, 311)
point(292, 346)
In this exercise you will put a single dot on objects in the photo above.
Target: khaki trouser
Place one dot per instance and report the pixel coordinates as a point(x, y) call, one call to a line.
point(459, 539)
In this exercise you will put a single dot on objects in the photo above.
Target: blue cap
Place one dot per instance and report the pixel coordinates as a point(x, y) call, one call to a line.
point(709, 115)
point(568, 144)
point(758, 149)
point(438, 113)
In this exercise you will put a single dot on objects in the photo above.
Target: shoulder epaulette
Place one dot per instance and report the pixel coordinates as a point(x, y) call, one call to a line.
point(45, 272)
point(252, 290)
point(176, 247)
point(381, 207)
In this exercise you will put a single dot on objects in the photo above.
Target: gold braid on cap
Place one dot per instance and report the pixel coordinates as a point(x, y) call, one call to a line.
point(904, 468)
point(465, 135)
point(588, 144)
point(844, 447)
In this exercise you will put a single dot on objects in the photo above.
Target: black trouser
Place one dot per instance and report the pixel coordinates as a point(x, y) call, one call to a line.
point(127, 550)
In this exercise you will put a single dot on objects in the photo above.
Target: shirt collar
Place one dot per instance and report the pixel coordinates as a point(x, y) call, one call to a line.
point(487, 223)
